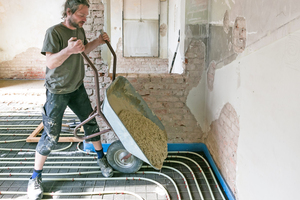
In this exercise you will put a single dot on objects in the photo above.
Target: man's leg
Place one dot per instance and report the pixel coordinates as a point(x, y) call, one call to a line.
point(81, 106)
point(39, 161)
point(52, 120)
point(97, 145)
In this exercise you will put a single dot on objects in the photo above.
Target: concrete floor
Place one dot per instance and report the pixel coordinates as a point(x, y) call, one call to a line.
point(22, 97)
point(72, 171)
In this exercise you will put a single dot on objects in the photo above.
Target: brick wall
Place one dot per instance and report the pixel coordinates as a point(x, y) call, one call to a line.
point(222, 141)
point(27, 65)
point(165, 94)
point(146, 65)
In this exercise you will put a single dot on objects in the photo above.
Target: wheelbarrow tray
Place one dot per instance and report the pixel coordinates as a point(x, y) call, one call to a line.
point(121, 95)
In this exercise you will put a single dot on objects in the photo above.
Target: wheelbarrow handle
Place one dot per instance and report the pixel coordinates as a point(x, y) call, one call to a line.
point(114, 55)
point(96, 81)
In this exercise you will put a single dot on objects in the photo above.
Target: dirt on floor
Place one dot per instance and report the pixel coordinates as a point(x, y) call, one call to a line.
point(22, 95)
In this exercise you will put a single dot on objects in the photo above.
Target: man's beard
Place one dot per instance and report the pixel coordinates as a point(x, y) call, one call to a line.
point(73, 23)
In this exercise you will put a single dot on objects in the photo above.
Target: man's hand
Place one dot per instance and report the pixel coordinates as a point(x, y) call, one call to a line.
point(75, 46)
point(98, 41)
point(103, 37)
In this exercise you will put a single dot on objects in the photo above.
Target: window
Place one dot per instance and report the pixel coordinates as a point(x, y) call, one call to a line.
point(141, 28)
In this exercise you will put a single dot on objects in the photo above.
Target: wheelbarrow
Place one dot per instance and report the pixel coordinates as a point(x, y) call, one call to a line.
point(124, 155)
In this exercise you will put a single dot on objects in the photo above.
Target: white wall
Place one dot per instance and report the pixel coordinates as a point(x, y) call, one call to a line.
point(263, 88)
point(262, 85)
point(176, 23)
point(267, 21)
point(23, 24)
point(196, 103)
point(268, 154)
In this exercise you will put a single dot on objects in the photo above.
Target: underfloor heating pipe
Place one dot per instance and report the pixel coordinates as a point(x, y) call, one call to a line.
point(96, 167)
point(96, 179)
point(166, 161)
point(211, 172)
point(93, 172)
point(56, 150)
point(75, 194)
point(207, 164)
point(201, 171)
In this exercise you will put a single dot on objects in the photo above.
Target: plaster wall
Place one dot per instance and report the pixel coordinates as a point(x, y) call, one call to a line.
point(176, 23)
point(195, 28)
point(196, 102)
point(268, 145)
point(260, 84)
point(23, 24)
point(267, 21)
point(115, 19)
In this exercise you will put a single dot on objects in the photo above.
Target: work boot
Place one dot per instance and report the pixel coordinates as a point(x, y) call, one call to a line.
point(106, 169)
point(35, 189)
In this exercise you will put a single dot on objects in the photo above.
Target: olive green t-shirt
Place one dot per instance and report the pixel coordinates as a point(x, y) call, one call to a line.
point(69, 76)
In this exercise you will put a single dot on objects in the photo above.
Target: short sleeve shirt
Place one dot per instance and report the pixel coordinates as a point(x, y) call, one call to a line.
point(69, 76)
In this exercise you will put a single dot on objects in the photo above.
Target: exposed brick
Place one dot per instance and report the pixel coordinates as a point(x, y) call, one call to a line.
point(95, 14)
point(98, 6)
point(178, 93)
point(159, 111)
point(89, 21)
point(30, 64)
point(168, 99)
point(144, 92)
point(157, 105)
point(222, 142)
point(88, 27)
point(177, 117)
point(99, 20)
point(95, 1)
point(174, 86)
point(153, 86)
point(235, 128)
point(155, 78)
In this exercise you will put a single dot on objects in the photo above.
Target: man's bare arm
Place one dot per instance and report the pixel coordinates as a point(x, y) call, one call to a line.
point(92, 45)
point(54, 60)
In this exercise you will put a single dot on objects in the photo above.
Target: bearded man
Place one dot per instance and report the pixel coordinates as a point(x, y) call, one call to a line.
point(65, 71)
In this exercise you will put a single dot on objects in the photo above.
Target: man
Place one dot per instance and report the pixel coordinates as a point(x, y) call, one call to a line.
point(64, 82)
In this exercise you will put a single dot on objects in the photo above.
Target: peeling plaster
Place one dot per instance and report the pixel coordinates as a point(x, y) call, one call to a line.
point(239, 35)
point(196, 103)
point(163, 30)
point(211, 75)
point(225, 90)
point(217, 23)
point(228, 4)
point(250, 33)
point(226, 22)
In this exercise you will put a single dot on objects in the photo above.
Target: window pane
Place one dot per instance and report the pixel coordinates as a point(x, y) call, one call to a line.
point(132, 9)
point(141, 9)
point(141, 38)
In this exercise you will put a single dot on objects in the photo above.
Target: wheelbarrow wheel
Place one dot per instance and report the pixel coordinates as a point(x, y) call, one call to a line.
point(115, 154)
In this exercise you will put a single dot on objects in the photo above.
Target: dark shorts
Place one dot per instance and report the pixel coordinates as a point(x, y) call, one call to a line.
point(54, 109)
